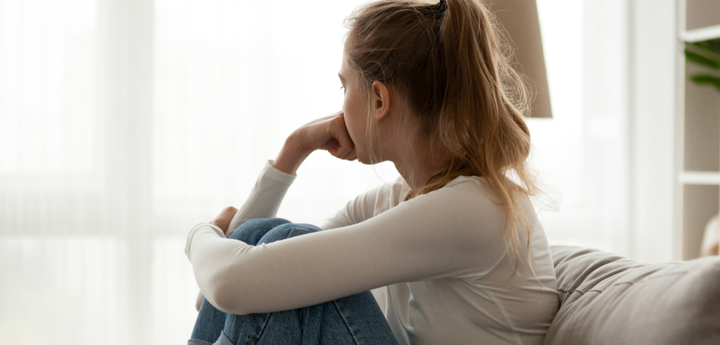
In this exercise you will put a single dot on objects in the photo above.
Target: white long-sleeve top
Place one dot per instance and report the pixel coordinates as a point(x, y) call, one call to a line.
point(438, 263)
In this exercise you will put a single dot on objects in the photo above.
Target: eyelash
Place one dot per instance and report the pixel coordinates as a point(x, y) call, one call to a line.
point(342, 87)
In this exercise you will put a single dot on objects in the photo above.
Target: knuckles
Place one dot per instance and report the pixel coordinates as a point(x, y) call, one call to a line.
point(229, 209)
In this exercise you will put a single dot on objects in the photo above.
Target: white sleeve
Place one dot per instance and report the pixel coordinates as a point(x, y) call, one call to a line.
point(355, 211)
point(265, 198)
point(368, 204)
point(449, 232)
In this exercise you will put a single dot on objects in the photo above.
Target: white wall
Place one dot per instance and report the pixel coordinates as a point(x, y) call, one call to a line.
point(652, 123)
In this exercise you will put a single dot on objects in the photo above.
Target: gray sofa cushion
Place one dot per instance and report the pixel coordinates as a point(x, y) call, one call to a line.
point(609, 299)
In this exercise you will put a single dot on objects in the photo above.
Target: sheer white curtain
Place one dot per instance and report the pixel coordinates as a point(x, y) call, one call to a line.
point(125, 122)
point(582, 153)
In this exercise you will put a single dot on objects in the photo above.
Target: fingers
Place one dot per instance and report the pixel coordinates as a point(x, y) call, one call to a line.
point(328, 133)
point(325, 118)
point(222, 221)
point(338, 130)
point(351, 156)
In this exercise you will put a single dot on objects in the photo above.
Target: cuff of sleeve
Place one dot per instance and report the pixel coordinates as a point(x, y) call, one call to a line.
point(276, 174)
point(201, 229)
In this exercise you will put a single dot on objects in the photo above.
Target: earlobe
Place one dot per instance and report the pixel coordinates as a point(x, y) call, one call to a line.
point(381, 100)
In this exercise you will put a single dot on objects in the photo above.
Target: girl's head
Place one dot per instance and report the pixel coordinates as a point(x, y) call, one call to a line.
point(449, 64)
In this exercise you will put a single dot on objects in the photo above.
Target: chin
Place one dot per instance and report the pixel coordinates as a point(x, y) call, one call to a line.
point(368, 160)
point(364, 160)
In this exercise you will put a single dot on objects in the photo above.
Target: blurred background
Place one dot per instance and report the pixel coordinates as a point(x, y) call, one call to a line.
point(123, 123)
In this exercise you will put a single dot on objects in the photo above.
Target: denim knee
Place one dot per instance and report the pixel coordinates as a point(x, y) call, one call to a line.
point(288, 230)
point(253, 230)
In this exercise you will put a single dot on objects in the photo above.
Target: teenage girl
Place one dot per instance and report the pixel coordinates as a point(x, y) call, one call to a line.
point(454, 244)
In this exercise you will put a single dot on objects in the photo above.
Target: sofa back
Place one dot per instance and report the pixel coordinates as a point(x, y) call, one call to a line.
point(609, 299)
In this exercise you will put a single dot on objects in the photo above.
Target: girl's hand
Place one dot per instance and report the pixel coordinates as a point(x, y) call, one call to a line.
point(223, 220)
point(327, 133)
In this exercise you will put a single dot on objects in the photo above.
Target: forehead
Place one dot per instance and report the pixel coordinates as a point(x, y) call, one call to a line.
point(346, 72)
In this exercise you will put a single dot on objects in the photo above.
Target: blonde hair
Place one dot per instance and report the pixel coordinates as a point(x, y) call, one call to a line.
point(453, 67)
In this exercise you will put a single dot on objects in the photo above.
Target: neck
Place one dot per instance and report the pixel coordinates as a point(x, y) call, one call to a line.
point(413, 156)
point(418, 163)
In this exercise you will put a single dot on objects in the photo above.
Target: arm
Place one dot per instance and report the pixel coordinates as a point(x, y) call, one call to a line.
point(265, 198)
point(221, 222)
point(450, 232)
point(369, 204)
point(361, 208)
point(263, 202)
point(328, 133)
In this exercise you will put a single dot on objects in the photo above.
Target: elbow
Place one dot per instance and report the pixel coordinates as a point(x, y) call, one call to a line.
point(224, 296)
point(222, 302)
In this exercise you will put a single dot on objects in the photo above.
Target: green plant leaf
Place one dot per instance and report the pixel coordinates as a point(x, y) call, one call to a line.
point(706, 80)
point(711, 62)
point(709, 46)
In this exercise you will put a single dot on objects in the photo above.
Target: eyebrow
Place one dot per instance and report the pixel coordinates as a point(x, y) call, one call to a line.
point(341, 77)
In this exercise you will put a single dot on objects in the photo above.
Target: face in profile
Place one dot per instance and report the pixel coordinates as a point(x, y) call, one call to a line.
point(354, 110)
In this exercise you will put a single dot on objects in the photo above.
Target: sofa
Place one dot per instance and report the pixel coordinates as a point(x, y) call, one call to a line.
point(609, 299)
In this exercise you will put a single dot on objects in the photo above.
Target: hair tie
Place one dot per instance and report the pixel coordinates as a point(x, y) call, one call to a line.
point(441, 7)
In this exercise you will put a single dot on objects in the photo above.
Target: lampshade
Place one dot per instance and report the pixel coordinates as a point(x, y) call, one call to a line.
point(520, 20)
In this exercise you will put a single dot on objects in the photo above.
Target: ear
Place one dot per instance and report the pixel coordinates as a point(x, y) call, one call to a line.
point(381, 100)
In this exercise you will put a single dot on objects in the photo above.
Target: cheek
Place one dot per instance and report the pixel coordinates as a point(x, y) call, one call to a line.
point(353, 128)
point(354, 116)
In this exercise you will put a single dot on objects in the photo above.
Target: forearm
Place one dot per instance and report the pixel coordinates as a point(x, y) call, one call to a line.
point(265, 198)
point(207, 250)
point(291, 156)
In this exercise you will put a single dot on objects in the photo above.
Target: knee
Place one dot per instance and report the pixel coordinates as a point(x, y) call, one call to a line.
point(264, 223)
point(253, 230)
point(288, 230)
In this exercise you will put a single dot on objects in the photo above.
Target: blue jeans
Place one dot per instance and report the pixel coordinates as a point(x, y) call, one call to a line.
point(355, 319)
